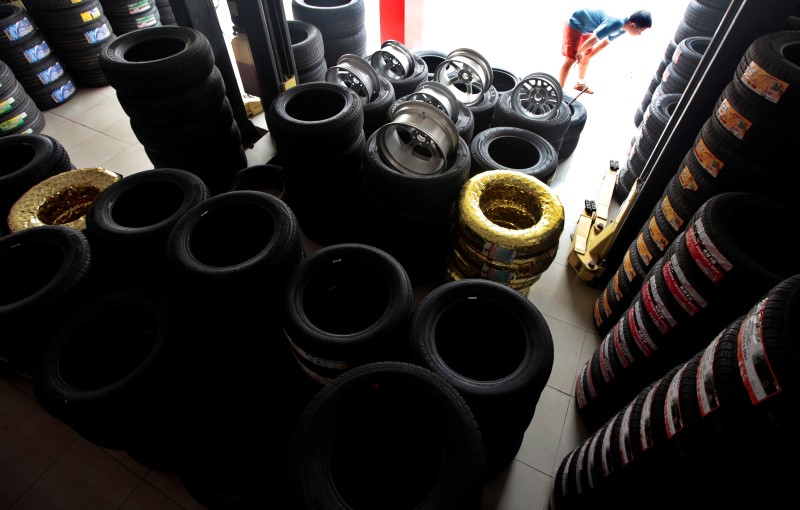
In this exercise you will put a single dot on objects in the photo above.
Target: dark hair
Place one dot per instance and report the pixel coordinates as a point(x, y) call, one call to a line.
point(642, 19)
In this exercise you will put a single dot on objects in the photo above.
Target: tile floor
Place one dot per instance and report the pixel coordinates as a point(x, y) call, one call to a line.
point(45, 465)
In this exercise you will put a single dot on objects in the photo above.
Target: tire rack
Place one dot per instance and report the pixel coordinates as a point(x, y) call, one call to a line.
point(744, 21)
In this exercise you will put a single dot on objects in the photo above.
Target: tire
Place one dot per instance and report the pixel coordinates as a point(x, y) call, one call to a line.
point(533, 238)
point(231, 238)
point(102, 388)
point(377, 111)
point(553, 130)
point(51, 269)
point(61, 199)
point(15, 24)
point(672, 82)
point(688, 55)
point(436, 453)
point(187, 105)
point(346, 305)
point(55, 94)
point(307, 44)
point(409, 84)
point(483, 112)
point(323, 115)
point(512, 148)
point(315, 73)
point(767, 76)
point(29, 52)
point(72, 17)
point(28, 160)
point(334, 18)
point(130, 221)
point(267, 178)
point(335, 47)
point(183, 136)
point(158, 62)
point(504, 80)
point(576, 124)
point(432, 59)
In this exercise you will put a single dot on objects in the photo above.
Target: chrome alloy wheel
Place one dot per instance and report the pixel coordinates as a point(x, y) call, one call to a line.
point(393, 61)
point(419, 140)
point(538, 96)
point(356, 74)
point(467, 74)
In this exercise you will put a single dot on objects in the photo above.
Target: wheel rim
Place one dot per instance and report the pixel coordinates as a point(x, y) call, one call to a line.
point(393, 61)
point(538, 96)
point(436, 94)
point(357, 75)
point(419, 140)
point(467, 74)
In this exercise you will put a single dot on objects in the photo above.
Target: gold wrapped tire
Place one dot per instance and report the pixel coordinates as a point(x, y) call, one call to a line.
point(516, 215)
point(62, 199)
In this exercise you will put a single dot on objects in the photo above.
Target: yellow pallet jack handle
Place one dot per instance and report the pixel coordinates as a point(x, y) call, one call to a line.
point(595, 232)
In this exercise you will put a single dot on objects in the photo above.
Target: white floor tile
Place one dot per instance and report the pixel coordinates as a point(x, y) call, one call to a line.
point(567, 345)
point(540, 445)
point(519, 487)
point(83, 99)
point(129, 161)
point(101, 115)
point(96, 150)
point(122, 131)
point(68, 133)
point(562, 295)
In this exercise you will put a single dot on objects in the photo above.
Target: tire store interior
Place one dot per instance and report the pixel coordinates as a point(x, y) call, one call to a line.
point(371, 254)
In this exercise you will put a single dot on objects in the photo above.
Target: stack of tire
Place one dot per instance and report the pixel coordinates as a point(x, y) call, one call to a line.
point(553, 129)
point(577, 122)
point(674, 78)
point(507, 229)
point(701, 19)
point(165, 11)
point(512, 148)
point(26, 51)
point(730, 406)
point(27, 160)
point(308, 51)
point(167, 83)
point(18, 112)
point(408, 215)
point(77, 32)
point(342, 24)
point(462, 118)
point(649, 131)
point(710, 275)
point(324, 183)
point(742, 146)
point(129, 15)
point(501, 379)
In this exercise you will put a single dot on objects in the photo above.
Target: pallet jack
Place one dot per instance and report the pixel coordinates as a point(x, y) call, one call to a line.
point(596, 230)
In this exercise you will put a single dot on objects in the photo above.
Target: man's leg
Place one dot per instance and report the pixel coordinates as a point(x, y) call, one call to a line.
point(562, 75)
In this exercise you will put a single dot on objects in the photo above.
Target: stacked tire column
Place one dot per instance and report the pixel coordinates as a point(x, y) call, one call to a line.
point(129, 15)
point(341, 22)
point(77, 31)
point(167, 83)
point(26, 51)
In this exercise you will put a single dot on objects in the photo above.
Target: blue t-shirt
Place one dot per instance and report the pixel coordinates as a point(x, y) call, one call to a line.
point(595, 21)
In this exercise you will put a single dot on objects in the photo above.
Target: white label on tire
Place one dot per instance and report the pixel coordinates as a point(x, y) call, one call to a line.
point(621, 344)
point(684, 293)
point(625, 450)
point(316, 360)
point(655, 308)
point(605, 362)
point(645, 430)
point(579, 467)
point(590, 460)
point(639, 332)
point(757, 374)
point(672, 405)
point(580, 394)
point(707, 256)
point(606, 451)
point(565, 477)
point(706, 390)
